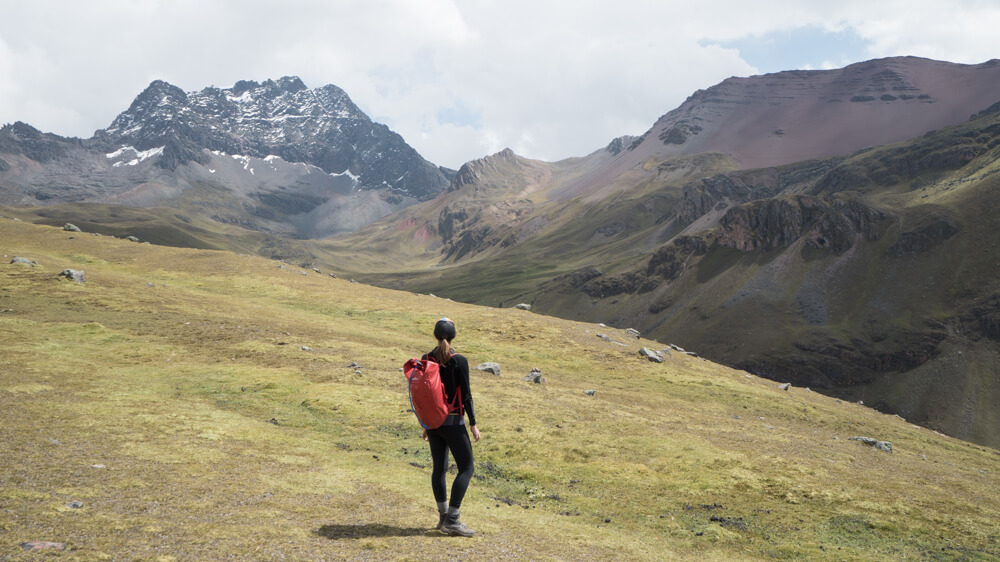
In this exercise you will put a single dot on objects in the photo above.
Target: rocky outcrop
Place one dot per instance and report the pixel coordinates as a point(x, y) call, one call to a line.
point(468, 227)
point(575, 280)
point(670, 260)
point(476, 171)
point(21, 138)
point(742, 186)
point(612, 285)
point(827, 223)
point(619, 144)
point(923, 238)
point(702, 196)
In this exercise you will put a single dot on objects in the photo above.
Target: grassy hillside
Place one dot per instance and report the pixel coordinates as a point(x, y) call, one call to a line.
point(869, 276)
point(200, 405)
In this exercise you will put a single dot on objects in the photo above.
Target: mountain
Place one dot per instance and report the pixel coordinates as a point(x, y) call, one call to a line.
point(274, 157)
point(793, 116)
point(831, 229)
point(868, 274)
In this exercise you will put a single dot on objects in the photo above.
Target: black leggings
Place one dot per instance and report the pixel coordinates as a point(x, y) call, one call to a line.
point(456, 438)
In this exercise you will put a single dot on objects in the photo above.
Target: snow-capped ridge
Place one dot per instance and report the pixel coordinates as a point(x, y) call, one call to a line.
point(321, 127)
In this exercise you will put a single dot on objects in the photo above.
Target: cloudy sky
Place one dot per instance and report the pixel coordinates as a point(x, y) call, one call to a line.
point(458, 79)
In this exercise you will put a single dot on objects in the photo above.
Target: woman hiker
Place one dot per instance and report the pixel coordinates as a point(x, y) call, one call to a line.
point(453, 434)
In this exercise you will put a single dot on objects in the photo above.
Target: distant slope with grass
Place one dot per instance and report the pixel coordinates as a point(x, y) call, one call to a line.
point(195, 404)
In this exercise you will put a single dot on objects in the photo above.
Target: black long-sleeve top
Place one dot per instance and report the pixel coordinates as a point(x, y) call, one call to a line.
point(455, 377)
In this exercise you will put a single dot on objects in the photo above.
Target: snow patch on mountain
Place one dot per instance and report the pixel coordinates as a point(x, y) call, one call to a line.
point(137, 155)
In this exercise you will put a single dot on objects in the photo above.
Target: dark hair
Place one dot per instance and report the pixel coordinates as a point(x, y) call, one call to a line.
point(444, 332)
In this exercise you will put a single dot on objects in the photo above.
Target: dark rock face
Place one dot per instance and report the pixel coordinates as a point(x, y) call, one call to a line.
point(826, 363)
point(777, 223)
point(982, 319)
point(620, 144)
point(670, 261)
point(322, 127)
point(21, 138)
point(629, 282)
point(577, 279)
point(923, 238)
point(467, 227)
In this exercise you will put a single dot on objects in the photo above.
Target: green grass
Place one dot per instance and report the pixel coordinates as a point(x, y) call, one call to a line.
point(182, 373)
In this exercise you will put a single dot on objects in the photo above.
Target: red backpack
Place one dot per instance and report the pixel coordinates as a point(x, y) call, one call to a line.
point(427, 396)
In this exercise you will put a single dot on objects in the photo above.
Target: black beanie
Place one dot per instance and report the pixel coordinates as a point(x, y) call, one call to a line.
point(444, 329)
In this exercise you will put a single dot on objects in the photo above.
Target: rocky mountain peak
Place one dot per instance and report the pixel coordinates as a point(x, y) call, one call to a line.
point(158, 93)
point(282, 117)
point(20, 130)
point(475, 171)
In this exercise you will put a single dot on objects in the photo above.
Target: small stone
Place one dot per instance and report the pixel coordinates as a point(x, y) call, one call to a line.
point(633, 333)
point(523, 306)
point(589, 392)
point(43, 545)
point(535, 376)
point(880, 445)
point(131, 238)
point(22, 261)
point(785, 386)
point(316, 270)
point(75, 505)
point(69, 227)
point(653, 356)
point(98, 466)
point(490, 367)
point(306, 348)
point(74, 274)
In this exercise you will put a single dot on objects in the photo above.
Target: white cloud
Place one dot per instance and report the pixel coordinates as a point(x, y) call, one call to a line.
point(457, 79)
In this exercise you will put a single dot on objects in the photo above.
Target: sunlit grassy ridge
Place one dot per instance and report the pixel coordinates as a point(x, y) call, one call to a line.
point(183, 374)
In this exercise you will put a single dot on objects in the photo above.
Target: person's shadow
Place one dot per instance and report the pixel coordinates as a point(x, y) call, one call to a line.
point(366, 530)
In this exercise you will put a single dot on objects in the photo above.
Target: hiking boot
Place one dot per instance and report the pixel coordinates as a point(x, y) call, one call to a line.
point(456, 528)
point(442, 514)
